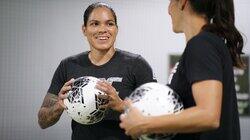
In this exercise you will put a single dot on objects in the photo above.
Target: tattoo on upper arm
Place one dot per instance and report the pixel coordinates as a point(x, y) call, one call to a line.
point(49, 100)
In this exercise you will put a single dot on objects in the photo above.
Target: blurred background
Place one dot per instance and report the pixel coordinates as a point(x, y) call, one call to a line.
point(35, 35)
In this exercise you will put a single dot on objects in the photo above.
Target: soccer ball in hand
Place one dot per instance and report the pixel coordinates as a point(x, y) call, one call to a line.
point(82, 103)
point(154, 99)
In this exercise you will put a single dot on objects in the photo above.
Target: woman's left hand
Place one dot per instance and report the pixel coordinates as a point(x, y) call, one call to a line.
point(114, 101)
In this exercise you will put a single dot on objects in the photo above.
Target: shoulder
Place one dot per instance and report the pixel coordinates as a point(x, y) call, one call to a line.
point(127, 55)
point(75, 58)
point(205, 42)
point(131, 58)
point(205, 39)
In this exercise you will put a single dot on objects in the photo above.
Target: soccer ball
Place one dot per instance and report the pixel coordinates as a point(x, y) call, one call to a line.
point(154, 99)
point(82, 103)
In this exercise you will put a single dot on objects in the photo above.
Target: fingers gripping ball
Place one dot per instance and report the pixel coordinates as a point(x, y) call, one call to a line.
point(82, 103)
point(154, 99)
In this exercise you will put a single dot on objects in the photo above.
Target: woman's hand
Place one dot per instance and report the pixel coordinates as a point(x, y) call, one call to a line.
point(114, 101)
point(63, 92)
point(133, 121)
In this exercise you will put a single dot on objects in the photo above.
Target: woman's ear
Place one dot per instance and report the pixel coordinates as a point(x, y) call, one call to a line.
point(84, 30)
point(183, 4)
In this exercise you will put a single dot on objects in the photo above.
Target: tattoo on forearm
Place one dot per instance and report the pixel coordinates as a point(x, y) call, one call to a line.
point(49, 100)
point(50, 111)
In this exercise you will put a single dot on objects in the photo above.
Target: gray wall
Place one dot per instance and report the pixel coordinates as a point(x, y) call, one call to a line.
point(36, 34)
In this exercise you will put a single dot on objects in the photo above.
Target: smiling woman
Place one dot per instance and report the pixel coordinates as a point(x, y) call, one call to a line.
point(100, 28)
point(122, 71)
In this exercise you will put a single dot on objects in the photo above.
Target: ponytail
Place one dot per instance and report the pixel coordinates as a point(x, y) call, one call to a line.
point(221, 21)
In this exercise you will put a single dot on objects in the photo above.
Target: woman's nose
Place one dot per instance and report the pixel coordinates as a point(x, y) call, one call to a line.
point(102, 28)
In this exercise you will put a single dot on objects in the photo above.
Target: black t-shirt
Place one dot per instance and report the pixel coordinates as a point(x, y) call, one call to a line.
point(126, 71)
point(206, 57)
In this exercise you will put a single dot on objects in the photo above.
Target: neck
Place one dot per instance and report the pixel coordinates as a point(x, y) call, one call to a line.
point(100, 57)
point(193, 26)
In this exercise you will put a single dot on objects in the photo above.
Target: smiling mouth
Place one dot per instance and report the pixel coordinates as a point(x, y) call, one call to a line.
point(102, 38)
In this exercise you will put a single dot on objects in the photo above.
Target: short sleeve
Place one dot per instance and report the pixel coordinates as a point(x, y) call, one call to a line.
point(202, 61)
point(59, 78)
point(142, 71)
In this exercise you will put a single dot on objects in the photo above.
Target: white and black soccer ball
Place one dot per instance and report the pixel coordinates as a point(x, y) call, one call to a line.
point(154, 99)
point(82, 103)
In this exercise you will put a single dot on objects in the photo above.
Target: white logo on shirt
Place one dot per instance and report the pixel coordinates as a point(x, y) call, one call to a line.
point(112, 79)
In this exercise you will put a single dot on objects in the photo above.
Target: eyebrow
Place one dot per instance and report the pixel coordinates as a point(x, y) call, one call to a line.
point(99, 21)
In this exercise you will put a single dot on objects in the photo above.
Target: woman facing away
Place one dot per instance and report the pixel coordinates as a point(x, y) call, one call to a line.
point(203, 76)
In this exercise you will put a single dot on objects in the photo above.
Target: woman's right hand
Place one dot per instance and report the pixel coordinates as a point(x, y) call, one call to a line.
point(63, 92)
point(133, 121)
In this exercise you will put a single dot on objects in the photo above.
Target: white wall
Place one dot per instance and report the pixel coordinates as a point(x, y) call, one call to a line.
point(36, 34)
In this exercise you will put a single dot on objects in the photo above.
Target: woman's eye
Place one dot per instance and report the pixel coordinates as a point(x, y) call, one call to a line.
point(111, 24)
point(94, 24)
